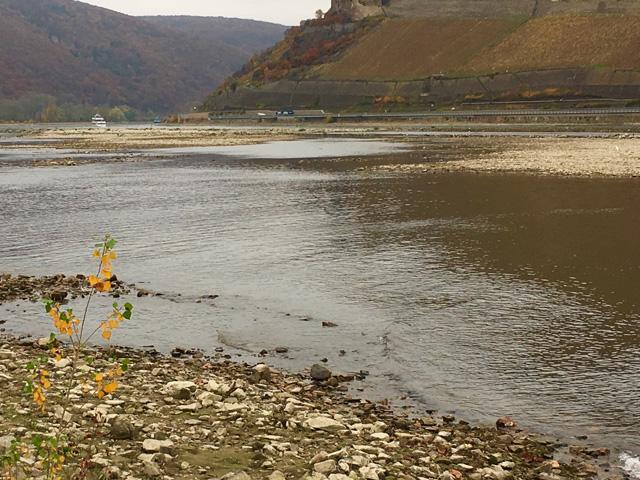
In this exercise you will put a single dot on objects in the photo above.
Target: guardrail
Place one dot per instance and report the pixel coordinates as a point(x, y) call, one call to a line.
point(452, 113)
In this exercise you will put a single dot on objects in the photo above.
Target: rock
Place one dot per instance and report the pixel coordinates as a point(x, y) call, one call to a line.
point(207, 399)
point(7, 355)
point(236, 476)
point(329, 324)
point(339, 476)
point(122, 428)
point(281, 350)
point(369, 473)
point(63, 363)
point(180, 390)
point(151, 445)
point(326, 467)
point(319, 457)
point(276, 475)
point(58, 295)
point(152, 470)
point(5, 442)
point(320, 373)
point(323, 423)
point(505, 422)
point(380, 436)
point(261, 373)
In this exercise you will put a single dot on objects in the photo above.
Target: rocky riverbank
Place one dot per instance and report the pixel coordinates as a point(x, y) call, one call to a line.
point(591, 157)
point(55, 287)
point(205, 418)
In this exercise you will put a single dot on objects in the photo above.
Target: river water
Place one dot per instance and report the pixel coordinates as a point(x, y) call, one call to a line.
point(485, 295)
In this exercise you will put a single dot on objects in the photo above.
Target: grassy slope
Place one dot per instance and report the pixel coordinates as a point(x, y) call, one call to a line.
point(405, 49)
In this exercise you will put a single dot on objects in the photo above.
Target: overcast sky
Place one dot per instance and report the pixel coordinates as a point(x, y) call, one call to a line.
point(288, 12)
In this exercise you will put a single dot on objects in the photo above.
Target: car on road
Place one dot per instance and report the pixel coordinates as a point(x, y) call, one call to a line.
point(285, 112)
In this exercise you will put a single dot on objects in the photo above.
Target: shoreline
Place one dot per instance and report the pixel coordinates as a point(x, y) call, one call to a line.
point(611, 155)
point(227, 418)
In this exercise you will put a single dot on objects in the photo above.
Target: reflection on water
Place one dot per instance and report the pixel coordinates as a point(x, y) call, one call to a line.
point(490, 295)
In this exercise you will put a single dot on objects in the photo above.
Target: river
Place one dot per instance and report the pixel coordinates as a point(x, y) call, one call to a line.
point(486, 295)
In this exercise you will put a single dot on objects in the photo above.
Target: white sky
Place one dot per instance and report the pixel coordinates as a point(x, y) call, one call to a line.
point(288, 12)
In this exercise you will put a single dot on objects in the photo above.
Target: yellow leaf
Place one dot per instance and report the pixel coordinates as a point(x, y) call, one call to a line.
point(96, 253)
point(93, 280)
point(107, 274)
point(113, 324)
point(113, 255)
point(106, 287)
point(110, 388)
point(100, 394)
point(46, 384)
point(99, 377)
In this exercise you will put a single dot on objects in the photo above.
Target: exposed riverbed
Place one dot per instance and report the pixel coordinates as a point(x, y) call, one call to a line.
point(487, 295)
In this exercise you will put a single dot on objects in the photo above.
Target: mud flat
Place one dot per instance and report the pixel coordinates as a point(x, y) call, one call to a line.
point(205, 417)
point(609, 157)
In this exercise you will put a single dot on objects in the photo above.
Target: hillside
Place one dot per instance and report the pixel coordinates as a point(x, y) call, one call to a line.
point(250, 36)
point(81, 54)
point(408, 49)
point(412, 54)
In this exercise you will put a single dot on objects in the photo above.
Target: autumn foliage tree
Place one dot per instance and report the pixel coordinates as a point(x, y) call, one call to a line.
point(47, 453)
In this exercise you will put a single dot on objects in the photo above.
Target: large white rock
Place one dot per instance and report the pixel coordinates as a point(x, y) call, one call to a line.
point(151, 445)
point(174, 388)
point(326, 467)
point(323, 423)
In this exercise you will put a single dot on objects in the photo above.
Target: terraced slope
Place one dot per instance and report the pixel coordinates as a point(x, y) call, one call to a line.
point(408, 49)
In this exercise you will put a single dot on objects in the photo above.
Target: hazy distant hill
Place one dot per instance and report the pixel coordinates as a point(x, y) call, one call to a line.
point(249, 35)
point(80, 53)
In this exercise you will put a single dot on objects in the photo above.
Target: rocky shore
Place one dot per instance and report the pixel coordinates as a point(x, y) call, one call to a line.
point(58, 288)
point(206, 418)
point(586, 157)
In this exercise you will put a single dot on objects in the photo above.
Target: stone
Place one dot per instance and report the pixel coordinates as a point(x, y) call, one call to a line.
point(339, 476)
point(122, 428)
point(152, 470)
point(319, 457)
point(276, 475)
point(380, 436)
point(505, 422)
point(58, 295)
point(369, 473)
point(151, 445)
point(5, 442)
point(207, 399)
point(323, 423)
point(320, 373)
point(180, 390)
point(63, 363)
point(261, 373)
point(7, 355)
point(282, 349)
point(236, 476)
point(326, 467)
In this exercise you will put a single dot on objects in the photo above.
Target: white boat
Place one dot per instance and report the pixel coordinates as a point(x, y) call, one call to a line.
point(98, 121)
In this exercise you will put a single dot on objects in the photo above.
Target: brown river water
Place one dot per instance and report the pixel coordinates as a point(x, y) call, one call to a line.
point(485, 295)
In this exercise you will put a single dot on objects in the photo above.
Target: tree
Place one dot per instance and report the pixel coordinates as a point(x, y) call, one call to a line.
point(319, 14)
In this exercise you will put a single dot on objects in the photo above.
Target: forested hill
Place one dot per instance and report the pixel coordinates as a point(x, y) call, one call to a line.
point(72, 53)
point(250, 36)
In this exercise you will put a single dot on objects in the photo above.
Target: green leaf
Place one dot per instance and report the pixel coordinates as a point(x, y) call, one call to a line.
point(124, 365)
point(52, 338)
point(111, 243)
point(115, 305)
point(128, 306)
point(28, 387)
point(31, 366)
point(127, 314)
